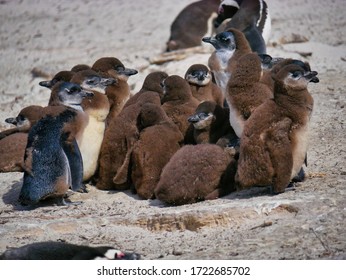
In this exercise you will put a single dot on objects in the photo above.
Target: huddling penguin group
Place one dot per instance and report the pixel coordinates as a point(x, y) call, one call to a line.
point(241, 121)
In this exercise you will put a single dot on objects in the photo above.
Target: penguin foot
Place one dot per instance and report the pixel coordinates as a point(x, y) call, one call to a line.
point(83, 189)
point(300, 177)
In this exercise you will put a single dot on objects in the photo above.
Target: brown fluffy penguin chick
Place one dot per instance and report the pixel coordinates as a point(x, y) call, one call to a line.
point(12, 150)
point(210, 124)
point(245, 92)
point(152, 82)
point(62, 76)
point(277, 64)
point(275, 138)
point(200, 78)
point(26, 118)
point(191, 24)
point(159, 139)
point(97, 109)
point(117, 145)
point(229, 46)
point(178, 102)
point(196, 173)
point(119, 93)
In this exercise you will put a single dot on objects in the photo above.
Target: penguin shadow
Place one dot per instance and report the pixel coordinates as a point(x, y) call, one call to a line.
point(11, 197)
point(257, 192)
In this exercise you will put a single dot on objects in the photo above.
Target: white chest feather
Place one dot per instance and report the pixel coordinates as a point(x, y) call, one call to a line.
point(90, 146)
point(236, 120)
point(221, 79)
point(300, 137)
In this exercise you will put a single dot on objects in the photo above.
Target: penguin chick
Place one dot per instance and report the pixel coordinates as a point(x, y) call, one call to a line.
point(199, 78)
point(275, 138)
point(12, 149)
point(26, 118)
point(148, 159)
point(97, 109)
point(196, 173)
point(62, 76)
point(117, 145)
point(53, 250)
point(210, 124)
point(276, 64)
point(46, 167)
point(118, 93)
point(52, 161)
point(229, 46)
point(178, 102)
point(191, 24)
point(245, 92)
point(152, 82)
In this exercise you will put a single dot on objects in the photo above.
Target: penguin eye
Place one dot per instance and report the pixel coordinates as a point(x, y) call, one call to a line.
point(119, 68)
point(202, 115)
point(92, 81)
point(73, 90)
point(296, 75)
point(20, 118)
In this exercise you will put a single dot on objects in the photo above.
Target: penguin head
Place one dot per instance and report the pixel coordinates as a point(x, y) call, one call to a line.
point(201, 120)
point(152, 81)
point(113, 67)
point(150, 115)
point(294, 77)
point(204, 115)
point(227, 10)
point(198, 74)
point(175, 88)
point(222, 41)
point(60, 76)
point(109, 253)
point(70, 94)
point(268, 62)
point(19, 121)
point(90, 80)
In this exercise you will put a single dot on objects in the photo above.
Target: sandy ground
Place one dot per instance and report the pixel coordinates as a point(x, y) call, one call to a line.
point(306, 222)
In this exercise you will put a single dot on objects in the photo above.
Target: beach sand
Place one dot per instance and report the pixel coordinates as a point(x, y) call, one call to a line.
point(306, 222)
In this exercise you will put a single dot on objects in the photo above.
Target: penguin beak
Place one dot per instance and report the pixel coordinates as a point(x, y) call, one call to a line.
point(193, 119)
point(207, 40)
point(311, 77)
point(11, 121)
point(128, 72)
point(47, 84)
point(200, 76)
point(213, 41)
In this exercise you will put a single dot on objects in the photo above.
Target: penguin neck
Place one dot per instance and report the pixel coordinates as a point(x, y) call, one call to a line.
point(223, 56)
point(297, 105)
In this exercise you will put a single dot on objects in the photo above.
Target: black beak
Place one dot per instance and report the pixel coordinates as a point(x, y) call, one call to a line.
point(11, 121)
point(311, 77)
point(193, 119)
point(128, 72)
point(47, 84)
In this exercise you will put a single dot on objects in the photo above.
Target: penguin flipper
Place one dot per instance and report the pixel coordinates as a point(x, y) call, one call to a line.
point(74, 157)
